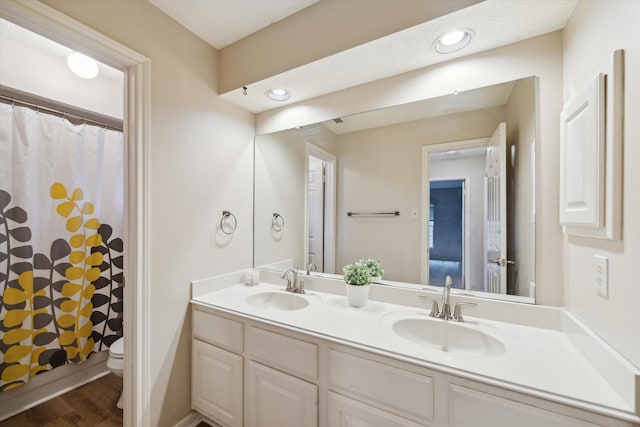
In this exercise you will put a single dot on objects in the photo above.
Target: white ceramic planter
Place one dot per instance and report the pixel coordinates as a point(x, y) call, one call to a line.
point(376, 279)
point(357, 296)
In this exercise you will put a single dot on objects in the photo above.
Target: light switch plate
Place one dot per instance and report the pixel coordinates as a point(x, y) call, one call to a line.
point(601, 275)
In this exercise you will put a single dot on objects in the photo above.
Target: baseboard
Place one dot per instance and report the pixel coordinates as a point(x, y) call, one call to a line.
point(193, 419)
point(51, 384)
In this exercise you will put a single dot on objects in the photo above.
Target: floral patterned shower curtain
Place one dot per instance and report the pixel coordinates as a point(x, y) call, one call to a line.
point(61, 247)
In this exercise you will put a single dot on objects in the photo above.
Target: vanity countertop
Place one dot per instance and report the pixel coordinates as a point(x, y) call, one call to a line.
point(538, 361)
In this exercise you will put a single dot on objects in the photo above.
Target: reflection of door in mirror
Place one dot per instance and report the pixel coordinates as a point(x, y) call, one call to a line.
point(320, 209)
point(315, 213)
point(495, 178)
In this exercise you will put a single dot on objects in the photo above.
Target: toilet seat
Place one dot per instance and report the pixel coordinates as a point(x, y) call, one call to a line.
point(116, 349)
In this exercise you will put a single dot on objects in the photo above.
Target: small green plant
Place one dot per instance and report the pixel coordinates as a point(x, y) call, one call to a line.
point(375, 269)
point(357, 274)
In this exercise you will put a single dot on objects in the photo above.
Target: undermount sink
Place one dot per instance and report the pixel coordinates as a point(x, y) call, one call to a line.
point(448, 336)
point(278, 300)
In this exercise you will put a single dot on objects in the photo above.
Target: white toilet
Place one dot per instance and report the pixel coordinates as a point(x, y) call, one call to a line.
point(115, 363)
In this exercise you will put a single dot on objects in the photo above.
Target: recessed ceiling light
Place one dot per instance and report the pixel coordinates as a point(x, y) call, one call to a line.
point(82, 65)
point(452, 41)
point(278, 94)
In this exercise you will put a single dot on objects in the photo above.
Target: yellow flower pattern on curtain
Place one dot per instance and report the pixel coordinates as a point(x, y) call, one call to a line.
point(49, 305)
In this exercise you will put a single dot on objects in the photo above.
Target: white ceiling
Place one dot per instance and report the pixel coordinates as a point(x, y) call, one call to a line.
point(222, 22)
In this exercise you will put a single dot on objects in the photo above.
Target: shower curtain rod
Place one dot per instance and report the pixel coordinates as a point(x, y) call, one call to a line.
point(11, 96)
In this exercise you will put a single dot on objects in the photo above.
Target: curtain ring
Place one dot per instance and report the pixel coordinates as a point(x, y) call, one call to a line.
point(231, 228)
point(277, 223)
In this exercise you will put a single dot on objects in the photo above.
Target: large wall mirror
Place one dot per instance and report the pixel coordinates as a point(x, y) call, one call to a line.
point(440, 187)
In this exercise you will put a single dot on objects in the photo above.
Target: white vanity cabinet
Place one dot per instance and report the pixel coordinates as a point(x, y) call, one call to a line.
point(253, 373)
point(244, 375)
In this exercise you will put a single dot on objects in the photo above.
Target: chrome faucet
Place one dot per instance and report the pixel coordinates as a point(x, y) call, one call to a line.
point(445, 313)
point(311, 267)
point(293, 284)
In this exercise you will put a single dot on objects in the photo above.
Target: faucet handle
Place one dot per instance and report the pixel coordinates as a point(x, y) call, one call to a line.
point(457, 310)
point(435, 309)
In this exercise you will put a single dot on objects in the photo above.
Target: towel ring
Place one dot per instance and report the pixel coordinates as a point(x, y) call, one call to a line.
point(277, 223)
point(230, 229)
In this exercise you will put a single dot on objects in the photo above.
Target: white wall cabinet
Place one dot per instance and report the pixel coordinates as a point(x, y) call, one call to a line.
point(277, 399)
point(253, 374)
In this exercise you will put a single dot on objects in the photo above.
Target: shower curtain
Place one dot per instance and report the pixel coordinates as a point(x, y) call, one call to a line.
point(61, 247)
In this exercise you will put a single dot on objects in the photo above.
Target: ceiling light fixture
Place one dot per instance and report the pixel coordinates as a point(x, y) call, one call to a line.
point(278, 94)
point(82, 65)
point(452, 41)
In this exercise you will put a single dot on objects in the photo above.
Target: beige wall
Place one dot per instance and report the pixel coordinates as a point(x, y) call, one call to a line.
point(539, 56)
point(381, 169)
point(521, 134)
point(201, 164)
point(594, 31)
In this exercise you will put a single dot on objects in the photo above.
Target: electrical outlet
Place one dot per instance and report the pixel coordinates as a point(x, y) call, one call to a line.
point(601, 275)
point(414, 213)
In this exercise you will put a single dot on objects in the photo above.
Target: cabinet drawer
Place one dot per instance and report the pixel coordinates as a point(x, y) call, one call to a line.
point(347, 412)
point(278, 351)
point(470, 408)
point(217, 330)
point(380, 383)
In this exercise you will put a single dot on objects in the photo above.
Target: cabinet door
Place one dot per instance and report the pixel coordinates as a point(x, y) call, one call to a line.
point(277, 399)
point(345, 412)
point(216, 384)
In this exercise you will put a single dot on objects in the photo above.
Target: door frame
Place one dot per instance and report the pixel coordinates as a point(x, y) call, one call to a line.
point(425, 202)
point(329, 206)
point(56, 26)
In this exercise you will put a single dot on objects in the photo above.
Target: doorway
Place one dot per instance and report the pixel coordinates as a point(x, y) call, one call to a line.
point(50, 23)
point(447, 231)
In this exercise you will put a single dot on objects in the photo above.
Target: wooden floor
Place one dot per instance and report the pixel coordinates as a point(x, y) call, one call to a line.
point(92, 405)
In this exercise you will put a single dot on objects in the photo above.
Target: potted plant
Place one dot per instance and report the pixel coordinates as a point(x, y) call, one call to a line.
point(357, 278)
point(375, 269)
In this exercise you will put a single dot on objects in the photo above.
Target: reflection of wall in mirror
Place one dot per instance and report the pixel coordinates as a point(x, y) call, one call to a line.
point(280, 187)
point(380, 169)
point(521, 131)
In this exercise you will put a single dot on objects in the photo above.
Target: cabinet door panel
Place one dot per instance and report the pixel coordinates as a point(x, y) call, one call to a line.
point(345, 412)
point(216, 384)
point(472, 408)
point(278, 399)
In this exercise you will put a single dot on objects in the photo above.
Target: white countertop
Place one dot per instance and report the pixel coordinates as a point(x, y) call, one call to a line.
point(539, 361)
